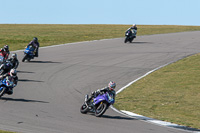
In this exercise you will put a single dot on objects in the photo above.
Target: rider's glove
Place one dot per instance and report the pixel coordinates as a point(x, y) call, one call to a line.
point(97, 91)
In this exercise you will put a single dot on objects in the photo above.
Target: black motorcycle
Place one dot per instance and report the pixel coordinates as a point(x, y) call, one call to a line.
point(6, 67)
point(130, 35)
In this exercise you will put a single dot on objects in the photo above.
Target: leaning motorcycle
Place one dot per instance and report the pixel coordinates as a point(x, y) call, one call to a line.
point(6, 67)
point(98, 105)
point(28, 53)
point(5, 85)
point(130, 35)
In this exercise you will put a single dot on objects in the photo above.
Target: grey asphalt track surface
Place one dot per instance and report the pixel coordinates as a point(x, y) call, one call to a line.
point(51, 88)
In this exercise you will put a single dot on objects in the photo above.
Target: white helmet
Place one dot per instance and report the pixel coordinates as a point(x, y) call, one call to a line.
point(134, 25)
point(13, 72)
point(14, 56)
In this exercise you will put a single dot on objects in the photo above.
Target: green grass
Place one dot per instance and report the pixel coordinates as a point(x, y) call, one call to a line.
point(17, 36)
point(170, 94)
point(5, 132)
point(175, 99)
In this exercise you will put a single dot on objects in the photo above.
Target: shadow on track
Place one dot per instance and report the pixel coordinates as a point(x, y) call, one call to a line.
point(186, 128)
point(112, 117)
point(21, 100)
point(117, 117)
point(24, 72)
point(139, 42)
point(43, 62)
point(27, 80)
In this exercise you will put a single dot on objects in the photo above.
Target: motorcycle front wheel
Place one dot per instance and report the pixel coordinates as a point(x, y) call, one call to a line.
point(101, 109)
point(1, 71)
point(24, 58)
point(2, 91)
point(126, 40)
point(84, 109)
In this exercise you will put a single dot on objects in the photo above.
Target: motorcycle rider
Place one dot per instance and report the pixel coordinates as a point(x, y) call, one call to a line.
point(35, 44)
point(5, 52)
point(12, 76)
point(110, 88)
point(14, 61)
point(132, 29)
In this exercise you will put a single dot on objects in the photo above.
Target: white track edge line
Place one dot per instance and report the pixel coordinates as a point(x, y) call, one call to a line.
point(147, 119)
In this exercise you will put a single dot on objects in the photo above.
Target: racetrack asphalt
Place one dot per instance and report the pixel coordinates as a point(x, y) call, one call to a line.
point(51, 88)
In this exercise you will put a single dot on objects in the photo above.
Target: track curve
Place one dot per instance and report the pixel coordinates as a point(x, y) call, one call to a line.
point(51, 88)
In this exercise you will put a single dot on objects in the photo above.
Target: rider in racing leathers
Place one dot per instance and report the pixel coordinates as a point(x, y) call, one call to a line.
point(34, 43)
point(134, 27)
point(12, 76)
point(14, 61)
point(110, 88)
point(5, 52)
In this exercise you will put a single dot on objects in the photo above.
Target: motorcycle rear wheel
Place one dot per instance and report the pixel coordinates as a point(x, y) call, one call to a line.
point(101, 109)
point(131, 40)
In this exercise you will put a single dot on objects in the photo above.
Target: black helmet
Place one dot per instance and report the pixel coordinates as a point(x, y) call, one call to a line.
point(6, 47)
point(35, 39)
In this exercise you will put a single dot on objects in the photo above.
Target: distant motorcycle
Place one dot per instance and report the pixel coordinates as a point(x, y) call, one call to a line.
point(130, 35)
point(6, 67)
point(28, 53)
point(5, 85)
point(98, 105)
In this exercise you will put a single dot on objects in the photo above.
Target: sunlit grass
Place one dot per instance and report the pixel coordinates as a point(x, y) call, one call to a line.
point(17, 36)
point(5, 132)
point(171, 94)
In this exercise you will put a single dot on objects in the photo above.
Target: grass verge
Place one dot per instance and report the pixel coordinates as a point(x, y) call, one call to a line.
point(170, 94)
point(17, 36)
point(5, 132)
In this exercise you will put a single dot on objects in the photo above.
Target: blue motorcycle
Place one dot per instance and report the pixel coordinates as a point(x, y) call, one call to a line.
point(5, 86)
point(28, 53)
point(98, 104)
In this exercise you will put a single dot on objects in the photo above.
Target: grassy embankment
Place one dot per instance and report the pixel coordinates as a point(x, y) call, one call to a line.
point(18, 36)
point(169, 94)
point(5, 132)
